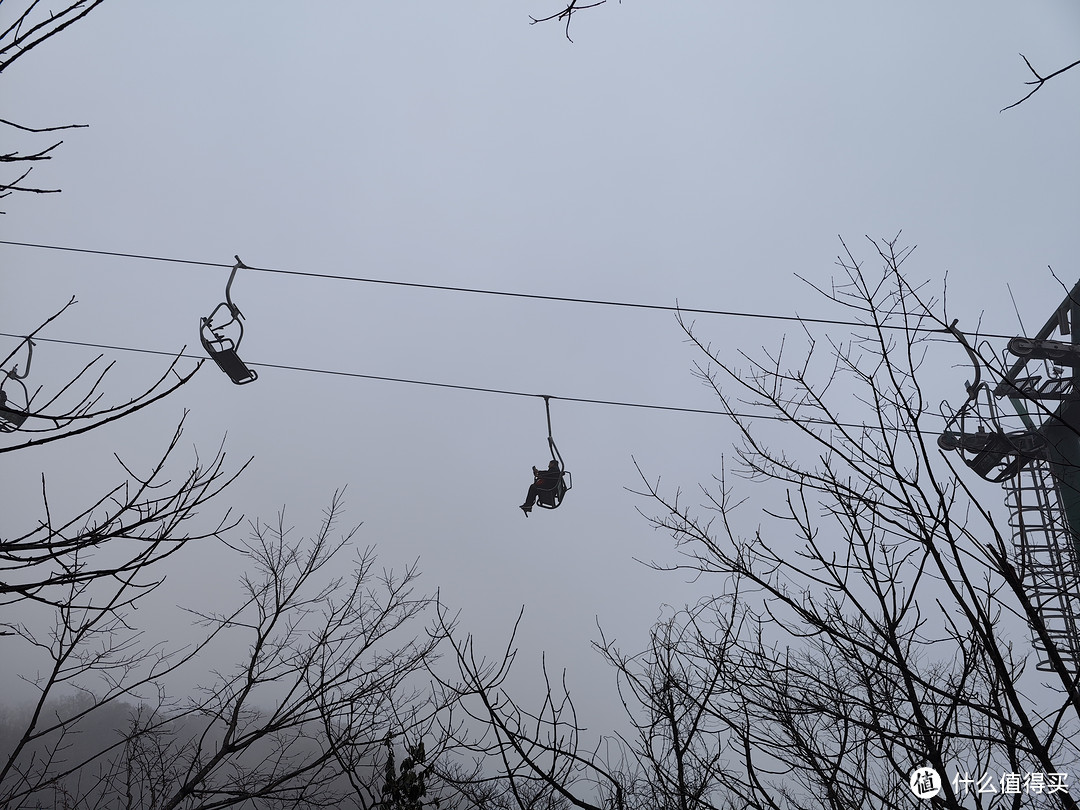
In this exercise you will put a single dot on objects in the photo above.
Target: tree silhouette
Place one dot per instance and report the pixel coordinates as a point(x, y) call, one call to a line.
point(30, 25)
point(406, 789)
point(869, 620)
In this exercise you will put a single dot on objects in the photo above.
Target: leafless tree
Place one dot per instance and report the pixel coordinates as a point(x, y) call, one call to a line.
point(32, 415)
point(25, 161)
point(126, 532)
point(303, 720)
point(322, 663)
point(300, 719)
point(567, 13)
point(1037, 83)
point(869, 621)
point(69, 590)
point(32, 23)
point(80, 404)
point(23, 27)
point(325, 666)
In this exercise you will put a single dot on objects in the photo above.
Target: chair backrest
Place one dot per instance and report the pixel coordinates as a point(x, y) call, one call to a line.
point(552, 495)
point(229, 362)
point(222, 350)
point(11, 419)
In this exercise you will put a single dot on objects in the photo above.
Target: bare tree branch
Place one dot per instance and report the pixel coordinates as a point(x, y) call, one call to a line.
point(1039, 81)
point(32, 25)
point(567, 14)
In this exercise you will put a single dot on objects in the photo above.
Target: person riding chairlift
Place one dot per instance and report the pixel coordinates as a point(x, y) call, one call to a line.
point(543, 481)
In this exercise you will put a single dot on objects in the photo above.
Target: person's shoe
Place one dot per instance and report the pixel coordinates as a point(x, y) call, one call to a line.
point(525, 509)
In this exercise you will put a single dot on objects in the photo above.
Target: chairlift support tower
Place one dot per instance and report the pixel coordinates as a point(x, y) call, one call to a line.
point(1038, 465)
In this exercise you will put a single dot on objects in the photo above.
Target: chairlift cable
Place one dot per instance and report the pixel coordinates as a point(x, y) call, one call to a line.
point(503, 293)
point(474, 388)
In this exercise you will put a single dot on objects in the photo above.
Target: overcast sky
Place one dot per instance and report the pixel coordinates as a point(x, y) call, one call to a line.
point(699, 152)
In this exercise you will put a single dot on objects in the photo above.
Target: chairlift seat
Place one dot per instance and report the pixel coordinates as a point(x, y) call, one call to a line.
point(11, 419)
point(222, 350)
point(550, 497)
point(997, 456)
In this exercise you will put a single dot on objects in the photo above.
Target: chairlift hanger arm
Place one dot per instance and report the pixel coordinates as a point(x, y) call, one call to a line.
point(551, 441)
point(555, 453)
point(228, 287)
point(234, 317)
point(972, 388)
point(14, 372)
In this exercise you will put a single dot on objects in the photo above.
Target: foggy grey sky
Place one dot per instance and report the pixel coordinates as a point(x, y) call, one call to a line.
point(698, 152)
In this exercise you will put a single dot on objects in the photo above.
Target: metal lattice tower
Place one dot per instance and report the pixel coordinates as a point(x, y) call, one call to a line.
point(1047, 558)
point(1035, 454)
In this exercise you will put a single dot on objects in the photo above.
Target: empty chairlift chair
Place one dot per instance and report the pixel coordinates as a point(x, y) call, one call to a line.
point(13, 412)
point(222, 340)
